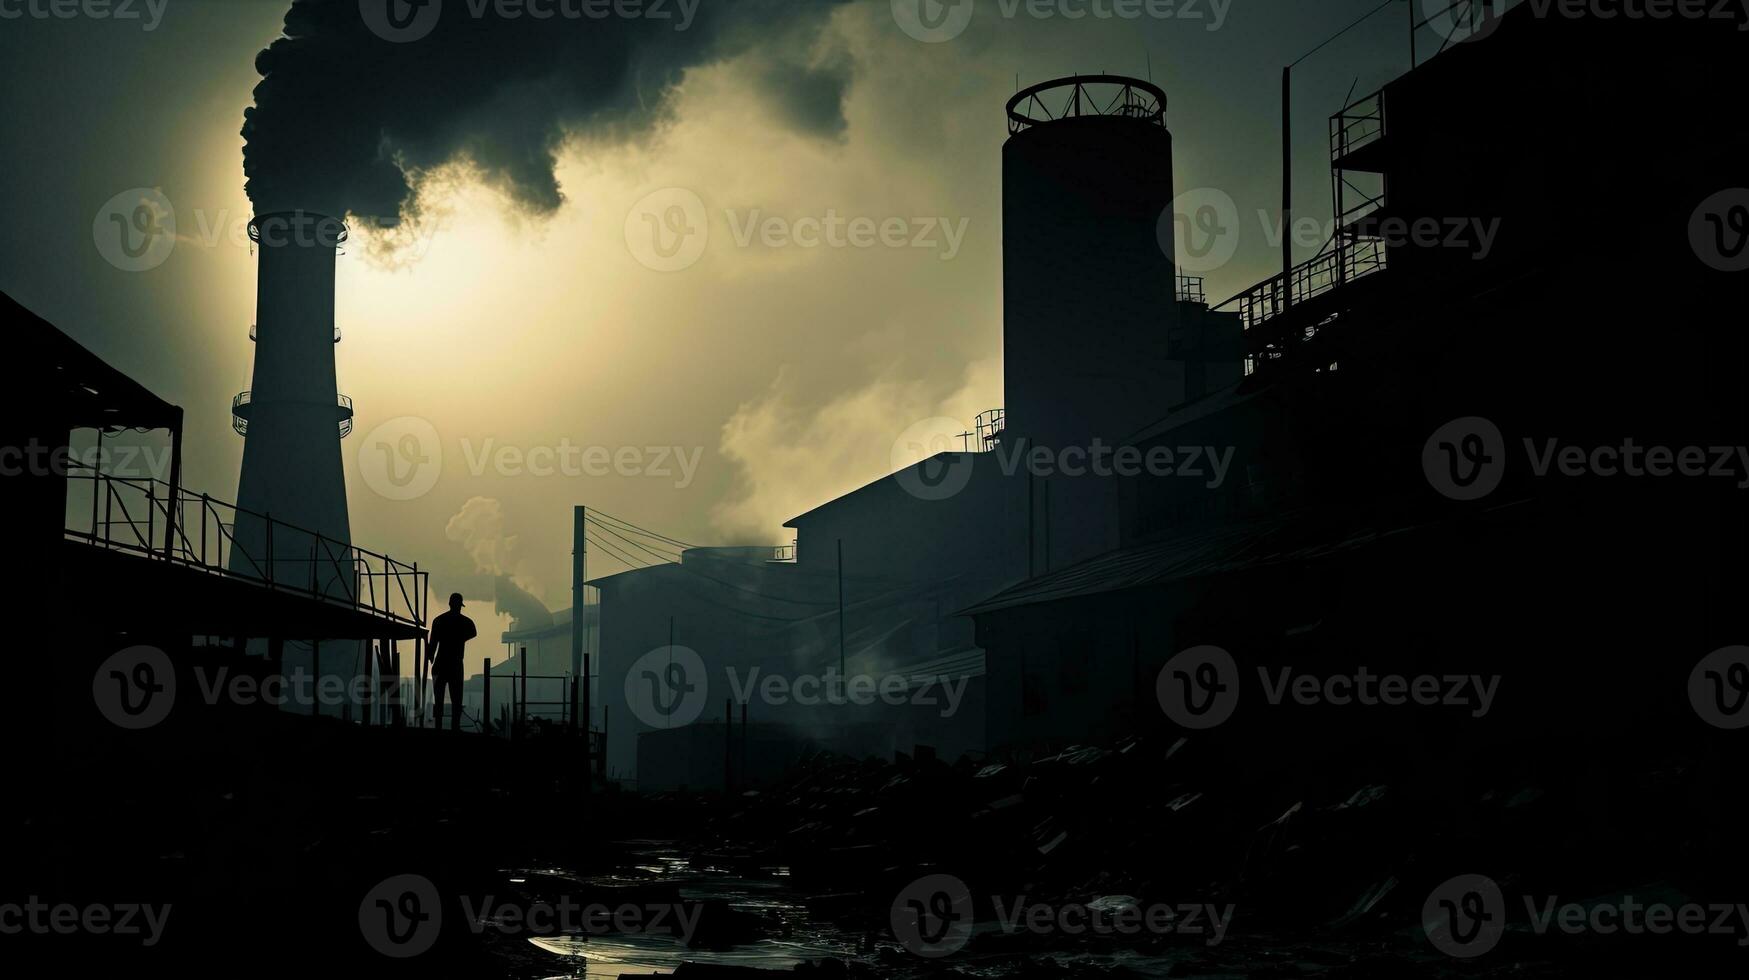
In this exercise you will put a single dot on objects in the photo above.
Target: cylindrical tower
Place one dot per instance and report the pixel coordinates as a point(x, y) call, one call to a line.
point(293, 416)
point(1089, 288)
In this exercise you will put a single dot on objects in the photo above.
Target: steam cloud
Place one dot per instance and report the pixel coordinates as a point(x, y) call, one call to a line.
point(348, 122)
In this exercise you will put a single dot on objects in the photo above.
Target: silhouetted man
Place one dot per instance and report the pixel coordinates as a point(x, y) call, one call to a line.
point(450, 634)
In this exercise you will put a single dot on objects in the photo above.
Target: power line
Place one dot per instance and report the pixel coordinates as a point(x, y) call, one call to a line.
point(658, 556)
point(629, 563)
point(1365, 17)
point(615, 530)
point(629, 526)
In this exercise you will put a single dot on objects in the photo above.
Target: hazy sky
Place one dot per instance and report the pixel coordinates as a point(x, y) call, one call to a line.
point(773, 375)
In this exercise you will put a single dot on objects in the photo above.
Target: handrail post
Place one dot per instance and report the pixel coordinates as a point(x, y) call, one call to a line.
point(170, 514)
point(486, 696)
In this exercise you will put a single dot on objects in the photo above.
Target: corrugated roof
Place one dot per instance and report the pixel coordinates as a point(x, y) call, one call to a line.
point(81, 386)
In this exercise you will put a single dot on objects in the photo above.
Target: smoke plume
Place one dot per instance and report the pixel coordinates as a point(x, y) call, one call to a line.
point(348, 121)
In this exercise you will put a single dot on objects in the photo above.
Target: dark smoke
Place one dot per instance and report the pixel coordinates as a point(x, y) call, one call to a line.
point(346, 122)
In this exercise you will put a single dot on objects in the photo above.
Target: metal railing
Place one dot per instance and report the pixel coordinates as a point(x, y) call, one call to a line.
point(1357, 125)
point(147, 517)
point(240, 413)
point(991, 425)
point(1344, 262)
point(1190, 290)
point(1087, 95)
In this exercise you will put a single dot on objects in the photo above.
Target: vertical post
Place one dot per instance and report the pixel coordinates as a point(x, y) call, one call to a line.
point(395, 673)
point(421, 597)
point(1031, 523)
point(370, 673)
point(175, 482)
point(841, 679)
point(1287, 189)
point(522, 707)
point(97, 489)
point(728, 745)
point(1411, 37)
point(744, 779)
point(578, 515)
point(486, 695)
point(582, 723)
point(1047, 485)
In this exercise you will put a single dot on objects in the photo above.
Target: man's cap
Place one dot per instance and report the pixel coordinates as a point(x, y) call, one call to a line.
point(455, 598)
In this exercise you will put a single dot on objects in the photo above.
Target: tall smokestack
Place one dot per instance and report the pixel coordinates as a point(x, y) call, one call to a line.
point(293, 416)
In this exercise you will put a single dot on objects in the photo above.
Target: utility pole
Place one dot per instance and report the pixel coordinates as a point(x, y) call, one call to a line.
point(1287, 189)
point(579, 665)
point(841, 678)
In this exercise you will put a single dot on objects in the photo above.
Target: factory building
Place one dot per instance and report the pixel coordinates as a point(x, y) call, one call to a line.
point(1520, 267)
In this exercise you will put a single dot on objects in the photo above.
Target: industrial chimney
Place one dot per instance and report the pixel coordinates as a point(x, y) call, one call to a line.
point(293, 416)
